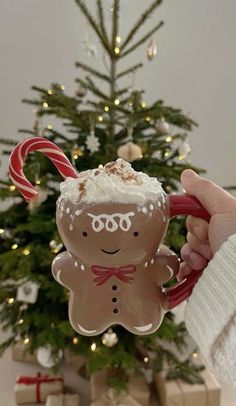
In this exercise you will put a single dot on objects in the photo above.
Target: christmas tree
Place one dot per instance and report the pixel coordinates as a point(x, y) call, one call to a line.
point(104, 120)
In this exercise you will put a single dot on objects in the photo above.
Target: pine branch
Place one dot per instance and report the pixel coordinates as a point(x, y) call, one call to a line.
point(130, 70)
point(92, 71)
point(101, 21)
point(95, 89)
point(115, 22)
point(93, 23)
point(140, 22)
point(143, 39)
point(5, 141)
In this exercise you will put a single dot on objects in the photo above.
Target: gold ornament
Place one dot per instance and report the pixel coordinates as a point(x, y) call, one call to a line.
point(76, 152)
point(151, 50)
point(110, 338)
point(130, 152)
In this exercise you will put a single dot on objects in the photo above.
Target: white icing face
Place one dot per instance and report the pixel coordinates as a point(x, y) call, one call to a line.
point(109, 222)
point(116, 182)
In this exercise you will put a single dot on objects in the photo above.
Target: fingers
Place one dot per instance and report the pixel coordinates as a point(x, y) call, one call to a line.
point(192, 258)
point(202, 248)
point(212, 197)
point(184, 270)
point(198, 227)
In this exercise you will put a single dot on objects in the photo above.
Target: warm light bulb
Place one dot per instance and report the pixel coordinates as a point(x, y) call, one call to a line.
point(143, 104)
point(49, 91)
point(93, 347)
point(56, 250)
point(148, 118)
point(2, 230)
point(118, 39)
point(100, 118)
point(168, 139)
point(166, 154)
point(14, 246)
point(75, 156)
point(49, 127)
point(195, 355)
point(21, 321)
point(117, 102)
point(100, 166)
point(104, 341)
point(75, 340)
point(106, 108)
point(181, 157)
point(63, 87)
point(37, 182)
point(11, 300)
point(26, 252)
point(117, 50)
point(26, 340)
point(146, 359)
point(12, 188)
point(45, 105)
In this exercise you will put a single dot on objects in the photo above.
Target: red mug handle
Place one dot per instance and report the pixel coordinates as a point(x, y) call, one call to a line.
point(184, 205)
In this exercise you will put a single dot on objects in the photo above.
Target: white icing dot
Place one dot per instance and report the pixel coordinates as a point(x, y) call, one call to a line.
point(82, 267)
point(144, 210)
point(68, 210)
point(151, 207)
point(152, 261)
point(76, 264)
point(146, 264)
point(78, 212)
point(71, 227)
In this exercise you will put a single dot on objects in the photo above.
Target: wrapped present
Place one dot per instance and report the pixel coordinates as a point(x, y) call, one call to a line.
point(30, 389)
point(20, 353)
point(180, 393)
point(62, 400)
point(101, 395)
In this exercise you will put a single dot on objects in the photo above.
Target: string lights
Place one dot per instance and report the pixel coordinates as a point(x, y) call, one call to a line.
point(93, 347)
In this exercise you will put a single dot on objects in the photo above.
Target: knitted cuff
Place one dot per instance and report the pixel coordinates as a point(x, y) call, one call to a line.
point(213, 299)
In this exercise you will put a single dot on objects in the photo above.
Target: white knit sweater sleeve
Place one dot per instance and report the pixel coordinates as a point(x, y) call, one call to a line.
point(210, 314)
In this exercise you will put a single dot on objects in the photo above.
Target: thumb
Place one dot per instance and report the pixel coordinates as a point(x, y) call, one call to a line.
point(213, 198)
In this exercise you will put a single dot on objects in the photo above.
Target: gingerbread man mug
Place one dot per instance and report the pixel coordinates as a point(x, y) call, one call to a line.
point(112, 221)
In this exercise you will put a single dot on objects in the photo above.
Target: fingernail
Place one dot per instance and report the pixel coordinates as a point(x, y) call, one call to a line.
point(189, 173)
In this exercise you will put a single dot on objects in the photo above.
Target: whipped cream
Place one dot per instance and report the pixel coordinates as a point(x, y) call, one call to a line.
point(116, 182)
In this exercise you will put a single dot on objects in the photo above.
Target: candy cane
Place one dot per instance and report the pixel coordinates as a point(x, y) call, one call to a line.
point(48, 148)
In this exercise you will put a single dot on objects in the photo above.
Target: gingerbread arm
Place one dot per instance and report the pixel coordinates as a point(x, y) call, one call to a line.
point(64, 270)
point(166, 265)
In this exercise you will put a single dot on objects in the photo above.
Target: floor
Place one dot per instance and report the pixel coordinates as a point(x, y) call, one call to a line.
point(10, 369)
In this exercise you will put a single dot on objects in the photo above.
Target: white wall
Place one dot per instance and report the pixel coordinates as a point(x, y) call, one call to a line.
point(195, 67)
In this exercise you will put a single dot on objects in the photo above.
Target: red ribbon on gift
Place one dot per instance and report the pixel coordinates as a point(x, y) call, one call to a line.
point(31, 380)
point(104, 273)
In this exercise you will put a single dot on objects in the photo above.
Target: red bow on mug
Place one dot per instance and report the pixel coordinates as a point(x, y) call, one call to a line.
point(104, 273)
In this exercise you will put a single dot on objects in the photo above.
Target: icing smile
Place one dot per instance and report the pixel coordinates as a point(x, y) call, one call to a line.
point(110, 252)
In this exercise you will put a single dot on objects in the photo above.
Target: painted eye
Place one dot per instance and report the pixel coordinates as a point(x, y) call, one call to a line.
point(135, 234)
point(85, 234)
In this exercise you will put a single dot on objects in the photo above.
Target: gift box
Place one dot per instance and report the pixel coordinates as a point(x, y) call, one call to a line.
point(20, 353)
point(138, 393)
point(30, 389)
point(62, 400)
point(180, 393)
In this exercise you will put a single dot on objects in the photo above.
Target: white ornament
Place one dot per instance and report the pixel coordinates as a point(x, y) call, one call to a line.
point(92, 143)
point(162, 127)
point(151, 50)
point(28, 292)
point(45, 358)
point(130, 152)
point(38, 199)
point(184, 150)
point(110, 338)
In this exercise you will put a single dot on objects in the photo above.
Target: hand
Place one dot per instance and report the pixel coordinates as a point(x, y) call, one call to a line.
point(203, 239)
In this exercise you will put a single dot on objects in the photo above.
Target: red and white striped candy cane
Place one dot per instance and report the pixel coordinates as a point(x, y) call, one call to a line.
point(48, 148)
